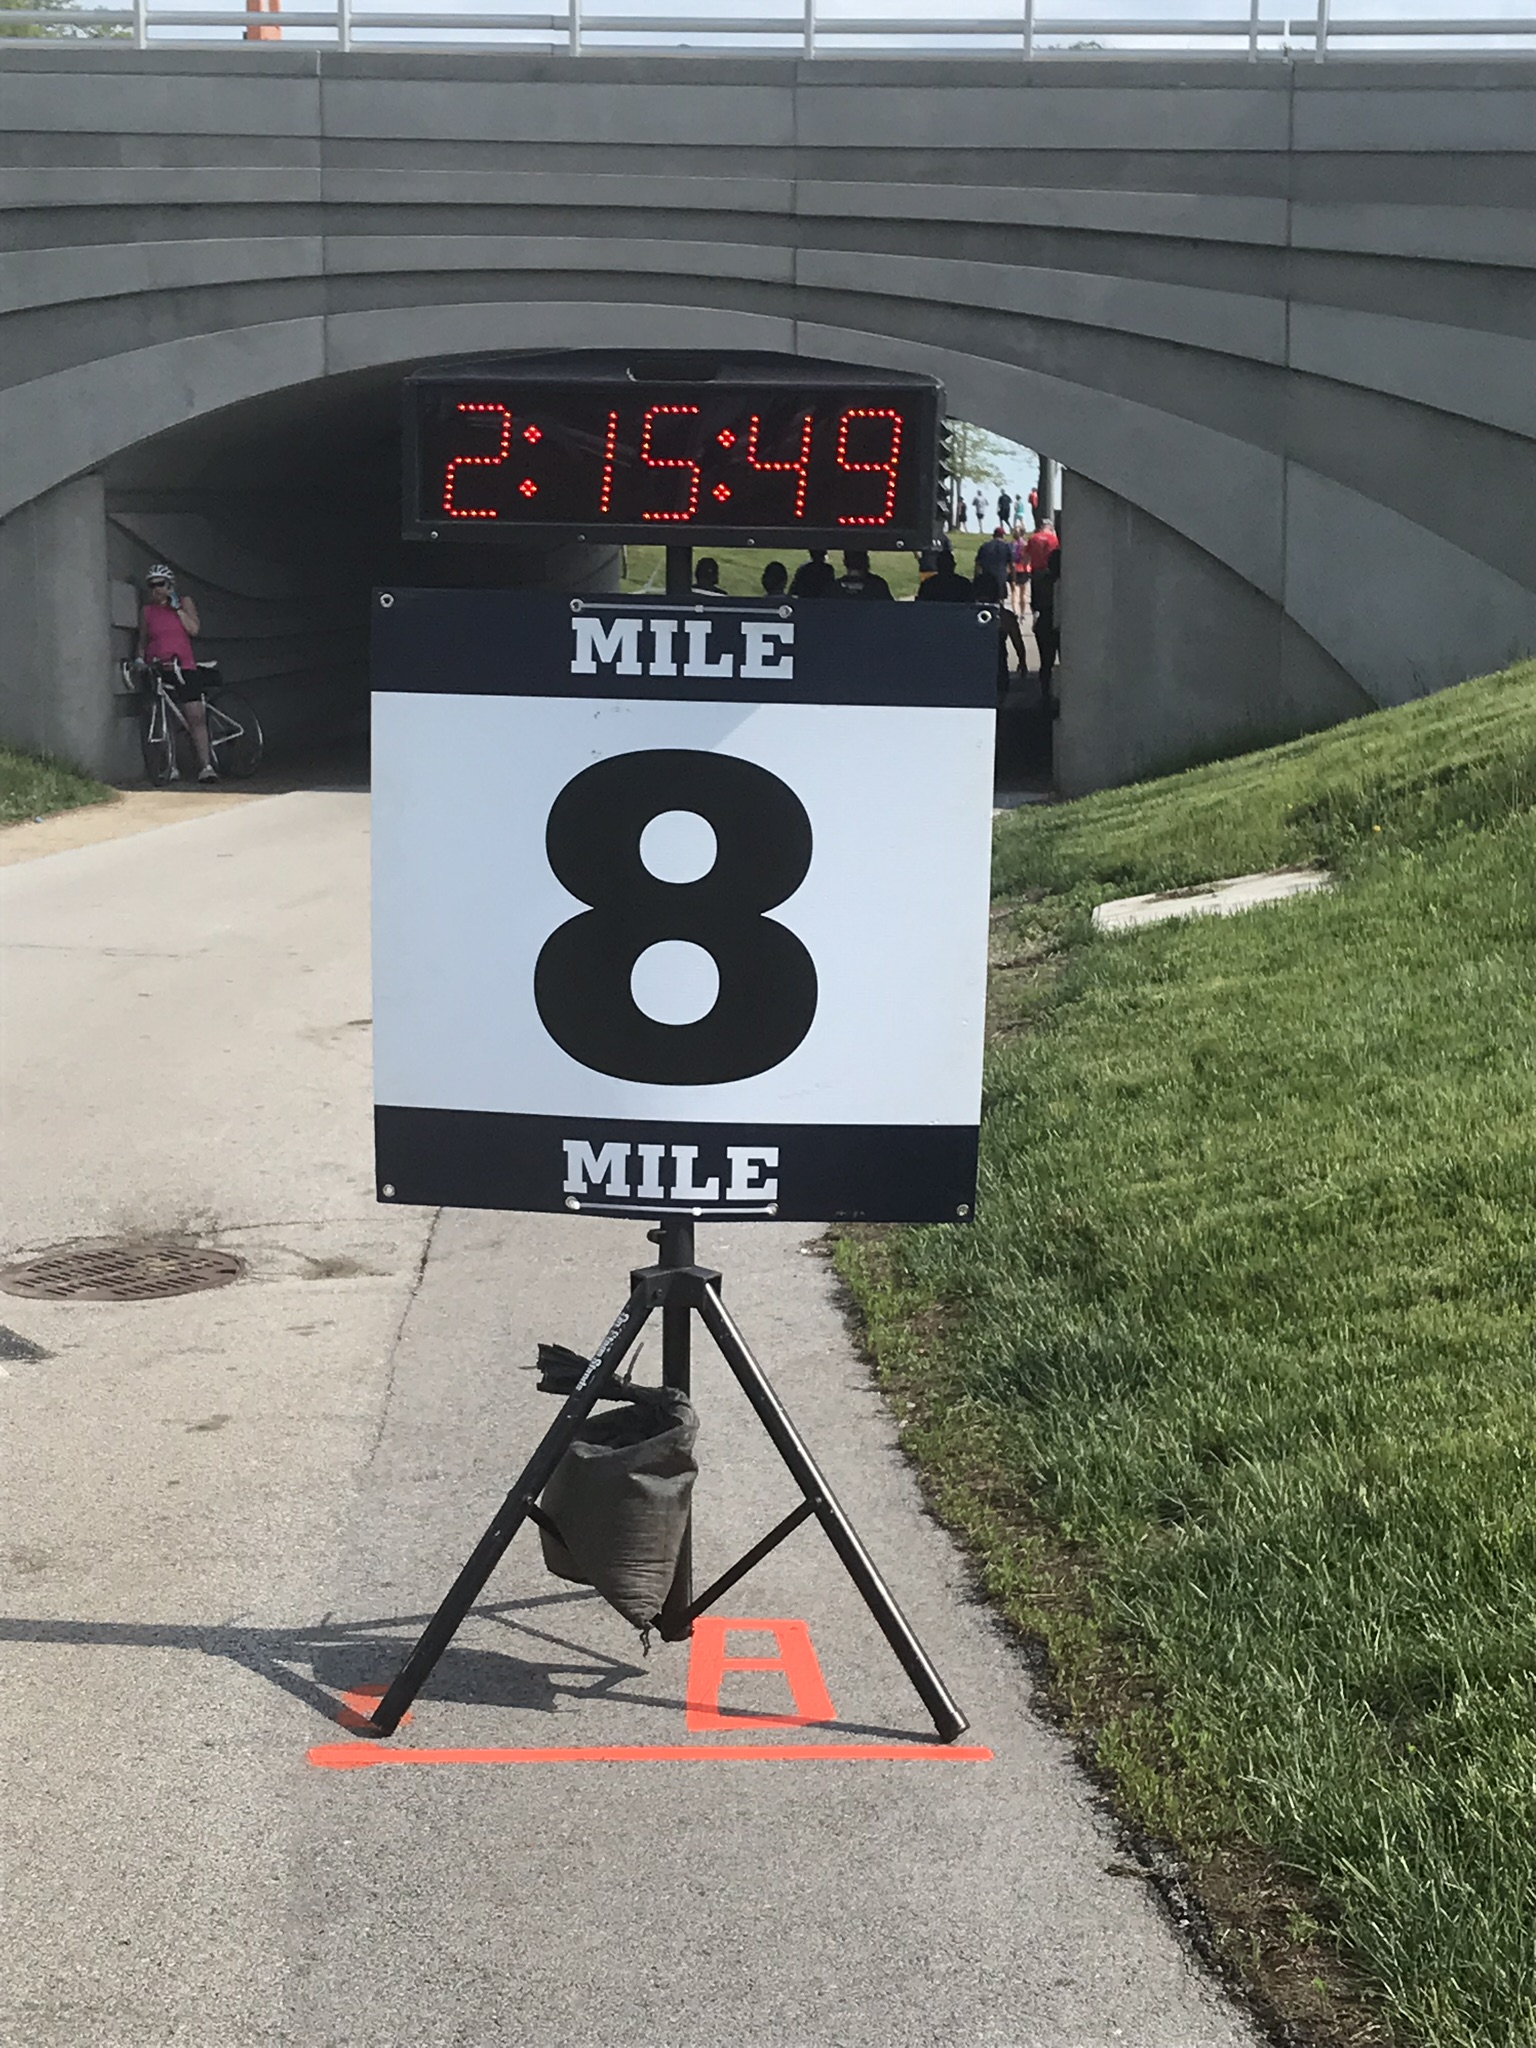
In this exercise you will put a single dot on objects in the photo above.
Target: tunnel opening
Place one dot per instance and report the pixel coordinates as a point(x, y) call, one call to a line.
point(282, 513)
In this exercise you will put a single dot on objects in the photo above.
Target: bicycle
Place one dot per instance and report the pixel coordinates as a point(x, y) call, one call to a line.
point(234, 730)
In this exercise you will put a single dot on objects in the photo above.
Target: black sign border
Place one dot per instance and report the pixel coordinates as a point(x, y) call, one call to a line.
point(515, 643)
point(500, 1159)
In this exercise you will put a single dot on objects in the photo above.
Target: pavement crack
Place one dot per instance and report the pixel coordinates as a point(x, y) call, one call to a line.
point(104, 952)
point(394, 1350)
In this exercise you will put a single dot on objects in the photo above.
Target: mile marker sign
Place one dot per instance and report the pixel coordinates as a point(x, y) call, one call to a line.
point(680, 908)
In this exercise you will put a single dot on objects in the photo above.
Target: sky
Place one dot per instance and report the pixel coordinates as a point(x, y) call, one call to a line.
point(1021, 470)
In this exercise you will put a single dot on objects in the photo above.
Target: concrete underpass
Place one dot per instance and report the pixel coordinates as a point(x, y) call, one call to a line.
point(1274, 320)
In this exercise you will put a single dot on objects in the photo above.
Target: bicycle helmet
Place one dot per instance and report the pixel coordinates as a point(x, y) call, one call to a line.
point(159, 572)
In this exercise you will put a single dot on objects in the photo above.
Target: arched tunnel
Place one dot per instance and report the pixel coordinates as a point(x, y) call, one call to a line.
point(281, 514)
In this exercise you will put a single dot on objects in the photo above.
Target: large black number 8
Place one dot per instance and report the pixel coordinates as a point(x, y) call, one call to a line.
point(581, 984)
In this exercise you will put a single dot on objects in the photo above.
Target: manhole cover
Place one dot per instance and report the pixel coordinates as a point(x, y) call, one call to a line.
point(143, 1269)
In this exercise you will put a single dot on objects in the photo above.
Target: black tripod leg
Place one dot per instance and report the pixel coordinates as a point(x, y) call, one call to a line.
point(675, 1238)
point(857, 1562)
point(509, 1518)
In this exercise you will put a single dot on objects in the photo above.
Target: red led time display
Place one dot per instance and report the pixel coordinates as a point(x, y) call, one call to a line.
point(774, 463)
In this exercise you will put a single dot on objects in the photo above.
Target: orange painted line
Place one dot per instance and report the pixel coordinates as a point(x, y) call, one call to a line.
point(356, 1756)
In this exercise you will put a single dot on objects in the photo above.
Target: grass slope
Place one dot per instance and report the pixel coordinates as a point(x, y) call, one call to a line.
point(31, 787)
point(1232, 1384)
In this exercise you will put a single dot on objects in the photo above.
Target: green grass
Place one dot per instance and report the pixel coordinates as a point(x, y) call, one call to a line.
point(741, 568)
point(1232, 1384)
point(32, 786)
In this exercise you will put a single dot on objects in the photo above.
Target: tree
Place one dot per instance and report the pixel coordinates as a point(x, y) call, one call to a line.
point(977, 457)
point(81, 26)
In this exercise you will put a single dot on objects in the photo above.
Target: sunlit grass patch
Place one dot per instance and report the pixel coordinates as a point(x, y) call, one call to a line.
point(32, 786)
point(1232, 1384)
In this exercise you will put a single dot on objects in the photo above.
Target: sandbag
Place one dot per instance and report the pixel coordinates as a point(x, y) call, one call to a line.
point(620, 1498)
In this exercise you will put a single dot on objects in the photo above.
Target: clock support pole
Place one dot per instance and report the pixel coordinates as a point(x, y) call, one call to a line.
point(679, 571)
point(680, 1289)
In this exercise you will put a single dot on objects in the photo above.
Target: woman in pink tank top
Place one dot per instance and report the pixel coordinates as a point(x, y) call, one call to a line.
point(166, 626)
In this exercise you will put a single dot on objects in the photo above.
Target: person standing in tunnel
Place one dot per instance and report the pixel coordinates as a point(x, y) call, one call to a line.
point(1041, 545)
point(1043, 585)
point(859, 579)
point(167, 624)
point(706, 579)
point(946, 585)
point(994, 561)
point(815, 576)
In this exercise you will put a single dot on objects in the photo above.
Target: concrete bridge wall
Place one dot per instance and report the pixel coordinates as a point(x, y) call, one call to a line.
point(1283, 313)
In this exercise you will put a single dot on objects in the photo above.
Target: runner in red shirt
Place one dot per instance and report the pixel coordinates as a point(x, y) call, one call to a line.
point(1040, 546)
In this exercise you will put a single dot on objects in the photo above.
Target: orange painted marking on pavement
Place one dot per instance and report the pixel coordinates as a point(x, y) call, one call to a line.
point(356, 1709)
point(708, 1664)
point(357, 1756)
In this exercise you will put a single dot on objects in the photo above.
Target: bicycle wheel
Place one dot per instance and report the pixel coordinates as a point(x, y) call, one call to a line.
point(157, 739)
point(234, 734)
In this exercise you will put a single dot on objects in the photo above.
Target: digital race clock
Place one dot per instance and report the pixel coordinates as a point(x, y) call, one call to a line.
point(657, 450)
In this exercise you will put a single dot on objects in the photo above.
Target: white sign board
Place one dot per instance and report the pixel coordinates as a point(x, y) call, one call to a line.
point(680, 907)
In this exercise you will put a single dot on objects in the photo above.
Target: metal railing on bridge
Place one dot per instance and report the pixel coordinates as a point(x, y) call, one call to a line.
point(1027, 29)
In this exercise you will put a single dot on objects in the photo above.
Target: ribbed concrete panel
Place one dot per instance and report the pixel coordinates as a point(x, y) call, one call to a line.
point(384, 187)
point(1198, 216)
point(605, 254)
point(359, 341)
point(667, 115)
point(1285, 309)
point(1342, 550)
point(1042, 115)
point(1223, 493)
point(133, 185)
point(1450, 234)
point(1484, 377)
point(59, 277)
point(138, 102)
point(68, 423)
point(1222, 321)
point(1446, 118)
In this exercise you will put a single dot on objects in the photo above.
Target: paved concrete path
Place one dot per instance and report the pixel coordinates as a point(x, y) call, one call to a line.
point(117, 816)
point(224, 1512)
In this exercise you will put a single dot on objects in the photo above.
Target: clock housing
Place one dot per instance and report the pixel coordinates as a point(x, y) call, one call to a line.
point(675, 451)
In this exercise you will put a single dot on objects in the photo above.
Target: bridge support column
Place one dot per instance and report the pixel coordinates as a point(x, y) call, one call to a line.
point(55, 639)
point(1168, 657)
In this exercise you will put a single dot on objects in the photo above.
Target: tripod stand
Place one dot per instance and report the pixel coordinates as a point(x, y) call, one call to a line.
point(679, 1288)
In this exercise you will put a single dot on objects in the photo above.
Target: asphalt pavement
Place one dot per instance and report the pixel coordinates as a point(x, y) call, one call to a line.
point(225, 1513)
